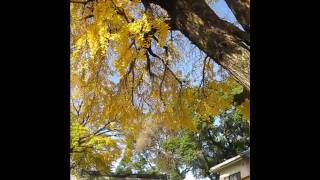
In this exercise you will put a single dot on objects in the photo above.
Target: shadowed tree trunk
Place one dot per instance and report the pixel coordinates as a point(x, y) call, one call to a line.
point(219, 39)
point(241, 10)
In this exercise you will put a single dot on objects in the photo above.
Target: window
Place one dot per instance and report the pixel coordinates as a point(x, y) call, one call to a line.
point(235, 176)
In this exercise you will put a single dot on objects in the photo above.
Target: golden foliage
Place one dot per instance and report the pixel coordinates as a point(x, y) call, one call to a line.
point(115, 38)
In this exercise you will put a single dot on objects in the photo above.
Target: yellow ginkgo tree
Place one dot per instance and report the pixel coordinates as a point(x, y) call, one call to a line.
point(125, 79)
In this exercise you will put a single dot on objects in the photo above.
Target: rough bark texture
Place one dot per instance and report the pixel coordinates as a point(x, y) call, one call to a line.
point(241, 10)
point(222, 41)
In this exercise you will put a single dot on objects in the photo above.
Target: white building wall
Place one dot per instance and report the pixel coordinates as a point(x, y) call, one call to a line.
point(242, 166)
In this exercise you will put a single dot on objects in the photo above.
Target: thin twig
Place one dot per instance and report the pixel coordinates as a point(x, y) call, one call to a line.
point(173, 74)
point(202, 84)
point(132, 88)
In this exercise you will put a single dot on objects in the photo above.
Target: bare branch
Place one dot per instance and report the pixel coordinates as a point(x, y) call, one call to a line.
point(102, 128)
point(103, 132)
point(149, 65)
point(173, 74)
point(203, 81)
point(77, 109)
point(162, 80)
point(85, 120)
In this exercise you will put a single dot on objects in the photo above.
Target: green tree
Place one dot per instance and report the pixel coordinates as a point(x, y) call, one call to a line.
point(139, 163)
point(176, 153)
point(226, 136)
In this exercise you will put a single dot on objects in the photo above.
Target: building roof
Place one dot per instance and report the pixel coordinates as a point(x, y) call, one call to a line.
point(228, 162)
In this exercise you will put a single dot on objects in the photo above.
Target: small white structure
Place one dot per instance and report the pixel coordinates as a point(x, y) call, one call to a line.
point(236, 168)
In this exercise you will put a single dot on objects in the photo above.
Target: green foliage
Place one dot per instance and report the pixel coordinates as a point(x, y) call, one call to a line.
point(184, 146)
point(176, 153)
point(138, 163)
point(225, 137)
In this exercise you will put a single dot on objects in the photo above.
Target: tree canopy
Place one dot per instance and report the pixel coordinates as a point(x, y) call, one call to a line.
point(177, 153)
point(126, 75)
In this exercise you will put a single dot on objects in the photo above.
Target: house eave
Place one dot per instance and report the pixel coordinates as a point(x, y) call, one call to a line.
point(228, 162)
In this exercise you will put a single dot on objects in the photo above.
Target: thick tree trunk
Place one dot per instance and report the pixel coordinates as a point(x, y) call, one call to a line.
point(221, 40)
point(241, 10)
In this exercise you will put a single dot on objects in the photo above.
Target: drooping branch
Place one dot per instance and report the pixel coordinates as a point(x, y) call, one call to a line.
point(149, 65)
point(85, 120)
point(77, 109)
point(132, 87)
point(162, 80)
point(103, 128)
point(202, 83)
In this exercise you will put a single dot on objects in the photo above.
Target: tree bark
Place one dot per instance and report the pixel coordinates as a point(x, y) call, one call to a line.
point(241, 10)
point(219, 39)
